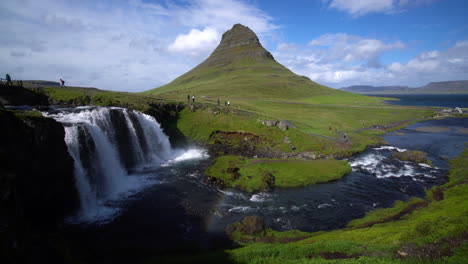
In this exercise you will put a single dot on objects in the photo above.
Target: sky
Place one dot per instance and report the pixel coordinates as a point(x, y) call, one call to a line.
point(137, 45)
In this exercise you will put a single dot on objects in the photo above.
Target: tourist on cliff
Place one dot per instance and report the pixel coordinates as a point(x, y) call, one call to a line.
point(62, 82)
point(8, 79)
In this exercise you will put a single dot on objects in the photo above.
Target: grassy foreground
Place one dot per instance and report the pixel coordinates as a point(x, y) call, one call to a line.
point(264, 174)
point(430, 230)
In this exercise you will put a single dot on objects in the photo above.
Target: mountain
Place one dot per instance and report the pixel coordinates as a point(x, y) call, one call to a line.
point(448, 87)
point(452, 87)
point(240, 67)
point(365, 89)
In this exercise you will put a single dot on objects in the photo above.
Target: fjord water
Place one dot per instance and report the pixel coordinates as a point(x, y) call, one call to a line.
point(439, 100)
point(160, 200)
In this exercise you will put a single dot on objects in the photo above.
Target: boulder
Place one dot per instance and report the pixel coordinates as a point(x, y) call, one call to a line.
point(270, 123)
point(268, 180)
point(285, 124)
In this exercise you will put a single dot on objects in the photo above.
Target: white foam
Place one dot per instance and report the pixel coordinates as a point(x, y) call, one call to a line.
point(233, 194)
point(405, 170)
point(241, 209)
point(192, 154)
point(390, 148)
point(424, 165)
point(260, 197)
point(324, 205)
point(366, 161)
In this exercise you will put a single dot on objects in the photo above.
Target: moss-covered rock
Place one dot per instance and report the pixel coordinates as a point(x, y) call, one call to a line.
point(413, 156)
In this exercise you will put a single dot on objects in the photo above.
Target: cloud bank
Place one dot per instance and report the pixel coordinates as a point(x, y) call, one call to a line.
point(117, 45)
point(339, 60)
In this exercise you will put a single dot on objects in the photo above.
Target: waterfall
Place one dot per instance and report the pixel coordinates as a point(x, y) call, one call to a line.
point(104, 144)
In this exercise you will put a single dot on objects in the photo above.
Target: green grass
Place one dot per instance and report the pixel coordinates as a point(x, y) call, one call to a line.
point(286, 173)
point(434, 224)
point(92, 96)
point(201, 124)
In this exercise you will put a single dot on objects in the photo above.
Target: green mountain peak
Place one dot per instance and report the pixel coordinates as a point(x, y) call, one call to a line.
point(241, 67)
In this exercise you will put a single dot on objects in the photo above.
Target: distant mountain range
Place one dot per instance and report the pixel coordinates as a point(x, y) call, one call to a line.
point(448, 87)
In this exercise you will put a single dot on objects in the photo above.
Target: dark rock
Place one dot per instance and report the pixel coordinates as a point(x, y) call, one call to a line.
point(17, 95)
point(268, 180)
point(292, 147)
point(234, 172)
point(34, 154)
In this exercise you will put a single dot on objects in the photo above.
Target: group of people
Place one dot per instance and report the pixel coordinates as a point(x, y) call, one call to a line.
point(8, 80)
point(226, 103)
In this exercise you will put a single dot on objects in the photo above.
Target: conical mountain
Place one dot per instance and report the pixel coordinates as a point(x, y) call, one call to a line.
point(240, 67)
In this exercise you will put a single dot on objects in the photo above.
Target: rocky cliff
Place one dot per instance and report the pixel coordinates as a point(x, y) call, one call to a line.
point(37, 188)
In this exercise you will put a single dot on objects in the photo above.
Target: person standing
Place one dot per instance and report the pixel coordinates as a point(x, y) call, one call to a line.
point(229, 103)
point(188, 98)
point(8, 78)
point(62, 82)
point(218, 101)
point(193, 98)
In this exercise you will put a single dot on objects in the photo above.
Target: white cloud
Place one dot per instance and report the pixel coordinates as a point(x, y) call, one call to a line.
point(328, 60)
point(130, 45)
point(362, 7)
point(196, 42)
point(350, 48)
point(358, 8)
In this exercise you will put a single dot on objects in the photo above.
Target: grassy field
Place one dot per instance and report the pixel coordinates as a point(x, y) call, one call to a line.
point(263, 174)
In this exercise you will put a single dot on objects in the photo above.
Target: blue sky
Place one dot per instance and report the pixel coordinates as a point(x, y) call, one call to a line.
point(136, 45)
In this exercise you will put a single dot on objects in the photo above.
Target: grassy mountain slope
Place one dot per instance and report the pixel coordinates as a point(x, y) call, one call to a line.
point(241, 68)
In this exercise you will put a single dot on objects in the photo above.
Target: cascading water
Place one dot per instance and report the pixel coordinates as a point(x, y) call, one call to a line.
point(105, 143)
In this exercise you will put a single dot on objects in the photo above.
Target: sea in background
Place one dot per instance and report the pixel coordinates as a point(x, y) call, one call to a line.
point(440, 100)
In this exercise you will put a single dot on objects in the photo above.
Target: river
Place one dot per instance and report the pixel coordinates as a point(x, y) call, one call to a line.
point(162, 202)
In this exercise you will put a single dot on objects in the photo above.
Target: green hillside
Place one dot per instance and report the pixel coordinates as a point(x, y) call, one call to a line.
point(241, 68)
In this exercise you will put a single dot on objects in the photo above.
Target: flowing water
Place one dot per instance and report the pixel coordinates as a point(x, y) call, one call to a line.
point(140, 194)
